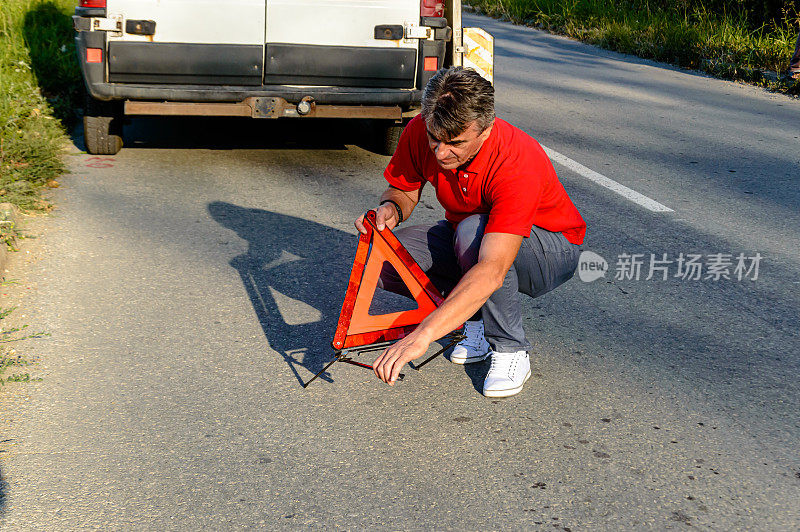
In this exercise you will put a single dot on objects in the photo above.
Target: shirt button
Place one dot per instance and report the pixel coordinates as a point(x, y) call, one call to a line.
point(464, 189)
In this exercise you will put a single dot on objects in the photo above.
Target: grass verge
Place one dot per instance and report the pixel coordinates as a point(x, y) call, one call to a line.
point(40, 87)
point(723, 44)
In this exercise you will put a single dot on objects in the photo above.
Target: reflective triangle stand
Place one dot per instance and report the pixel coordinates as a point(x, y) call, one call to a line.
point(358, 331)
point(344, 355)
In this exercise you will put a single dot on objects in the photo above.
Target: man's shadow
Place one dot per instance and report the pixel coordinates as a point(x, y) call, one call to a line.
point(295, 272)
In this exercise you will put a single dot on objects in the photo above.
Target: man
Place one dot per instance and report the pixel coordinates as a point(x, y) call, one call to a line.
point(510, 227)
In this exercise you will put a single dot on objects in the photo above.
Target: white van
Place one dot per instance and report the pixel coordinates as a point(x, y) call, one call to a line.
point(263, 59)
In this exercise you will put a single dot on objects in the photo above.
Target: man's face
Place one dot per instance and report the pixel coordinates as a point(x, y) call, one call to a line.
point(459, 150)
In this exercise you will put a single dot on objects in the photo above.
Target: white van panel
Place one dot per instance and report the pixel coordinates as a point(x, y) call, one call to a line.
point(195, 21)
point(338, 22)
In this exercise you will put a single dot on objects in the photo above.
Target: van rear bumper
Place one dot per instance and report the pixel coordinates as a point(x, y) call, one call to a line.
point(204, 93)
point(274, 107)
point(95, 78)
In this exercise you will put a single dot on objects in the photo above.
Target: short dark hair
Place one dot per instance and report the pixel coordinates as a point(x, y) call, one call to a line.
point(453, 98)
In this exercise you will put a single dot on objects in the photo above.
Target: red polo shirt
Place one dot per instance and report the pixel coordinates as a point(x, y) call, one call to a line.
point(511, 179)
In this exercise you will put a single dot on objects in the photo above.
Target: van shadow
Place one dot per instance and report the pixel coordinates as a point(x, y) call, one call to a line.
point(295, 272)
point(223, 133)
point(219, 133)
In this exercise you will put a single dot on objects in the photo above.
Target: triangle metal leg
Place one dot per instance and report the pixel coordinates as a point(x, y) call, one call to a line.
point(323, 370)
point(343, 356)
point(454, 339)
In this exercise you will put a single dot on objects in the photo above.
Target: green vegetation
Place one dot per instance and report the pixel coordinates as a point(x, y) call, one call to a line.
point(10, 232)
point(745, 40)
point(9, 358)
point(40, 87)
point(9, 236)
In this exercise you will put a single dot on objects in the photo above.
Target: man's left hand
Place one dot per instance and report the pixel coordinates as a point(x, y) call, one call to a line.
point(387, 366)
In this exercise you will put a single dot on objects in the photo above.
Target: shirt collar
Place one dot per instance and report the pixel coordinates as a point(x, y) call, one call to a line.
point(478, 163)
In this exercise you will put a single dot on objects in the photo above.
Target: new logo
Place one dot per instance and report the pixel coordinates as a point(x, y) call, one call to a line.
point(591, 266)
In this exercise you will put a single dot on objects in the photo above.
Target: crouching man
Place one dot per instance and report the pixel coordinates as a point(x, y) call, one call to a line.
point(510, 227)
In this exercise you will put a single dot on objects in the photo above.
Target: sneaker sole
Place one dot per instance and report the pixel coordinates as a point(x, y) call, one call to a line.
point(509, 392)
point(470, 360)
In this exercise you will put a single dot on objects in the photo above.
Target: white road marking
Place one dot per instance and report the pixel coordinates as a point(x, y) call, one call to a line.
point(604, 181)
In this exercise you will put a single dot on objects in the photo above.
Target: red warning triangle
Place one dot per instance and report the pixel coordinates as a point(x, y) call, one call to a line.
point(356, 325)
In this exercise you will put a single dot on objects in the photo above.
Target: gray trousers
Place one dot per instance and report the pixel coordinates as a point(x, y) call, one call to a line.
point(545, 260)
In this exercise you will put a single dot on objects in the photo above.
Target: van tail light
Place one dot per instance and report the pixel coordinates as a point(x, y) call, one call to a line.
point(427, 8)
point(92, 3)
point(94, 55)
point(431, 64)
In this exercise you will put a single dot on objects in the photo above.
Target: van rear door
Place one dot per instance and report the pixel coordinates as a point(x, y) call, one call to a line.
point(192, 42)
point(341, 43)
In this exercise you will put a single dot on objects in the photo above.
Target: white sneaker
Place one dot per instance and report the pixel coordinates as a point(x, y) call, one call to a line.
point(509, 371)
point(474, 347)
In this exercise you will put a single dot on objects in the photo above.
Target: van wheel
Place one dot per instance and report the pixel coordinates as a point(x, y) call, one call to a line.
point(102, 127)
point(390, 139)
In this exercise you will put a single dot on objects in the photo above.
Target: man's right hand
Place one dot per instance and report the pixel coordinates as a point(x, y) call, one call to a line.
point(385, 216)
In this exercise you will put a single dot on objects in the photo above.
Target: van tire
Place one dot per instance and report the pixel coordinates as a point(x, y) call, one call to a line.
point(390, 139)
point(102, 127)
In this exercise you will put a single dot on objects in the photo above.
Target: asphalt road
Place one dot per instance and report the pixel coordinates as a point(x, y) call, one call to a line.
point(191, 282)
